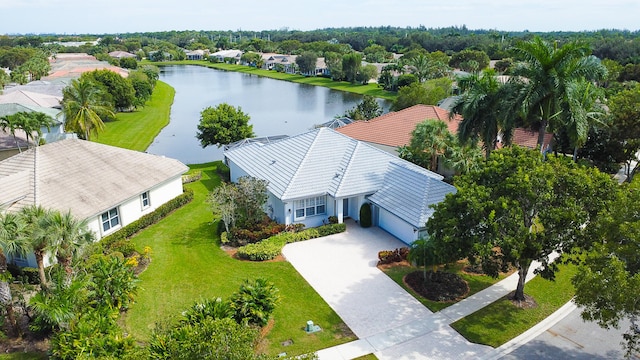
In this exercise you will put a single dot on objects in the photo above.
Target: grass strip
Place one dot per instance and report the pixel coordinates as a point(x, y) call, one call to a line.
point(188, 265)
point(136, 130)
point(476, 283)
point(370, 89)
point(502, 321)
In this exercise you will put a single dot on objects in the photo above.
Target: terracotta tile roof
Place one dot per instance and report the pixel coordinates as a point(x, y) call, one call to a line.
point(394, 128)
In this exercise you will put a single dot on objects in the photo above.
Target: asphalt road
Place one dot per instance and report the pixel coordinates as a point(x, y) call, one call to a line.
point(573, 338)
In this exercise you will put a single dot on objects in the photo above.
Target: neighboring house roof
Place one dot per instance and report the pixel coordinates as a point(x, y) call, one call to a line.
point(409, 194)
point(9, 142)
point(121, 54)
point(394, 128)
point(336, 123)
point(40, 87)
point(13, 108)
point(29, 98)
point(227, 54)
point(73, 65)
point(85, 177)
point(318, 162)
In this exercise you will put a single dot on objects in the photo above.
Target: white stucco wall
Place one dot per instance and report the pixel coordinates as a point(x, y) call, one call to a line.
point(396, 226)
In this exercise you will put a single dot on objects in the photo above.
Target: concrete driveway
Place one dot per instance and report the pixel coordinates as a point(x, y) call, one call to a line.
point(387, 320)
point(342, 269)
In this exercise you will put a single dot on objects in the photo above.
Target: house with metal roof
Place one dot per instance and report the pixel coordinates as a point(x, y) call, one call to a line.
point(108, 186)
point(323, 173)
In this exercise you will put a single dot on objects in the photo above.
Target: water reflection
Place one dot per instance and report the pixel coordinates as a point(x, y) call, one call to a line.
point(275, 107)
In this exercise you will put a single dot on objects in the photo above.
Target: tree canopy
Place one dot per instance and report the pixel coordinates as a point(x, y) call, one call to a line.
point(223, 125)
point(518, 208)
point(365, 110)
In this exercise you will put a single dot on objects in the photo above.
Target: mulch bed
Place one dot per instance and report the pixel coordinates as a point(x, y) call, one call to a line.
point(440, 286)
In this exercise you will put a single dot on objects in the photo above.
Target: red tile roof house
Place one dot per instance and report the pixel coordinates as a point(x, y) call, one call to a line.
point(391, 130)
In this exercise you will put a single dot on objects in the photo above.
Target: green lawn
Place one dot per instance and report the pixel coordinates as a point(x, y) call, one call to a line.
point(501, 321)
point(24, 356)
point(369, 89)
point(136, 130)
point(188, 265)
point(476, 283)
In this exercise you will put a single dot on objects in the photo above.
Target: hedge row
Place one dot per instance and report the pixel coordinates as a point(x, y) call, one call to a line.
point(116, 239)
point(189, 178)
point(270, 248)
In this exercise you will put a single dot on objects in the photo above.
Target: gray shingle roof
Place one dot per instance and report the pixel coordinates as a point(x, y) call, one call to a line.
point(85, 177)
point(321, 161)
point(408, 194)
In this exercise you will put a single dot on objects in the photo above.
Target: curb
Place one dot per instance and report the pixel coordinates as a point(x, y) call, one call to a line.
point(532, 333)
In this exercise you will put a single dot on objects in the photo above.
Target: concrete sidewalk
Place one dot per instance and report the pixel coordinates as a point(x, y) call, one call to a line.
point(387, 320)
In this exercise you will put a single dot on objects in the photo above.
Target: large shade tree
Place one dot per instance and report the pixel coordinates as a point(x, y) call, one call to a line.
point(85, 105)
point(223, 125)
point(608, 283)
point(519, 208)
point(544, 78)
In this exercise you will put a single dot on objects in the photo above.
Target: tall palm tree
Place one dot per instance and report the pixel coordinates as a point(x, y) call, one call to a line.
point(544, 77)
point(85, 105)
point(29, 122)
point(68, 236)
point(12, 241)
point(482, 106)
point(586, 109)
point(36, 219)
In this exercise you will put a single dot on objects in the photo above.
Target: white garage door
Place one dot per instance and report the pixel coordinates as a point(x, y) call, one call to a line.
point(395, 226)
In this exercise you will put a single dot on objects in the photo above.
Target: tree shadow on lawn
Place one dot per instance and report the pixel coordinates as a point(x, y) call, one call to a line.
point(476, 328)
point(204, 233)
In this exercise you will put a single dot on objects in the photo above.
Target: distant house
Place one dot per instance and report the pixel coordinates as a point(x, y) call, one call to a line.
point(323, 173)
point(391, 130)
point(280, 62)
point(232, 56)
point(121, 54)
point(196, 55)
point(108, 186)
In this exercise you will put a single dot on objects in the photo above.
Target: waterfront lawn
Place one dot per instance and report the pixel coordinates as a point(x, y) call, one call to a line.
point(501, 321)
point(188, 265)
point(24, 356)
point(476, 282)
point(369, 89)
point(136, 130)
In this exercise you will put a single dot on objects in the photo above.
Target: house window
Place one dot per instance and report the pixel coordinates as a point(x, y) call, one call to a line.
point(310, 207)
point(110, 219)
point(144, 198)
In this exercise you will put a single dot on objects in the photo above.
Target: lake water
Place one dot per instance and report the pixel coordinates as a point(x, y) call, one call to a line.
point(276, 107)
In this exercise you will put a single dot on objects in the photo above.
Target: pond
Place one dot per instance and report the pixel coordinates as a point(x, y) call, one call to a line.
point(276, 107)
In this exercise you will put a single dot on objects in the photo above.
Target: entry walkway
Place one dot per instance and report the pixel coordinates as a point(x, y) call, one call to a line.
point(387, 320)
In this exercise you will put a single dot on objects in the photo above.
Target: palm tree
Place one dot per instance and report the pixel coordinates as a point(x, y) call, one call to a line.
point(85, 105)
point(12, 242)
point(586, 109)
point(431, 138)
point(544, 77)
point(29, 122)
point(36, 219)
point(68, 236)
point(482, 106)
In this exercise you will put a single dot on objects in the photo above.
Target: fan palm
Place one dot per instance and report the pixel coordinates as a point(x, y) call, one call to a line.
point(36, 219)
point(431, 138)
point(68, 236)
point(12, 242)
point(85, 105)
point(544, 77)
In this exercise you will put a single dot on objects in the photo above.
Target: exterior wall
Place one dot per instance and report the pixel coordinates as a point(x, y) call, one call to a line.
point(276, 209)
point(393, 150)
point(131, 210)
point(235, 171)
point(396, 227)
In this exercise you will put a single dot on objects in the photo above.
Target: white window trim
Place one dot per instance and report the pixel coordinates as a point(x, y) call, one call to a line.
point(317, 202)
point(142, 199)
point(111, 227)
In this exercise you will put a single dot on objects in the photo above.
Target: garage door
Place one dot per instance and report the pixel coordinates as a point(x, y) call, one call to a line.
point(395, 226)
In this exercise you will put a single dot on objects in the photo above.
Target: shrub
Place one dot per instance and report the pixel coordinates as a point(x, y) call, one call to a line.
point(189, 178)
point(365, 215)
point(260, 231)
point(333, 219)
point(124, 246)
point(224, 238)
point(392, 256)
point(270, 248)
point(254, 302)
point(207, 309)
point(31, 276)
point(147, 220)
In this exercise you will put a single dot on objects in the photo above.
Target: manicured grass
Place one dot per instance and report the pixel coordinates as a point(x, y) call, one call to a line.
point(136, 130)
point(369, 89)
point(476, 283)
point(501, 321)
point(188, 265)
point(367, 357)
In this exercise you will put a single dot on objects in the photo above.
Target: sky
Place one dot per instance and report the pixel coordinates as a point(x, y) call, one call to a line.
point(124, 16)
